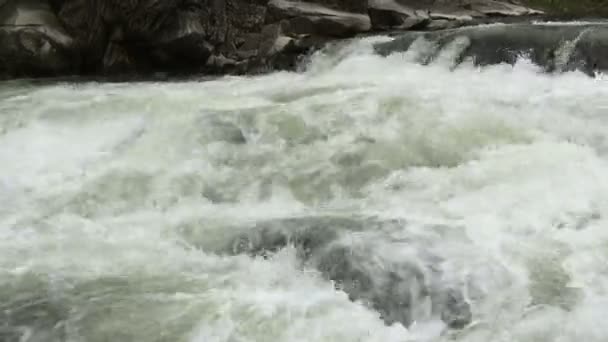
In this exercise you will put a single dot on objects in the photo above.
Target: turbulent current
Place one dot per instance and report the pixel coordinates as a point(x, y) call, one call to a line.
point(367, 198)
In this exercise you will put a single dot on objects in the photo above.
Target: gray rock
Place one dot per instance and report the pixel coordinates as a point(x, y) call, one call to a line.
point(442, 24)
point(140, 35)
point(32, 42)
point(392, 289)
point(397, 289)
point(554, 47)
point(147, 37)
point(273, 40)
point(311, 18)
point(454, 309)
point(308, 235)
point(214, 129)
point(500, 8)
point(391, 14)
point(353, 6)
point(30, 52)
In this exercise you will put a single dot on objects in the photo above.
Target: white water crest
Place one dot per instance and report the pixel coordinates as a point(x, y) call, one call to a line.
point(116, 201)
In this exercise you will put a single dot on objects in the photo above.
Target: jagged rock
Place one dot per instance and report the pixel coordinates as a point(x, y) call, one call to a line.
point(216, 129)
point(32, 42)
point(455, 12)
point(420, 14)
point(85, 23)
point(554, 47)
point(399, 289)
point(498, 8)
point(166, 35)
point(308, 235)
point(243, 18)
point(30, 52)
point(207, 36)
point(391, 14)
point(311, 18)
point(353, 6)
point(282, 51)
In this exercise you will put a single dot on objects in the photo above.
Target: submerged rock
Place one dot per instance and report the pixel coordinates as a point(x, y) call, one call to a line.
point(554, 47)
point(353, 253)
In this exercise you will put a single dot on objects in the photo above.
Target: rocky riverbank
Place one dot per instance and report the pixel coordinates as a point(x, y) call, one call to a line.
point(142, 37)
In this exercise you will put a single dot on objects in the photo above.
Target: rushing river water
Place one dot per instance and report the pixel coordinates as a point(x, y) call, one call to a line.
point(120, 204)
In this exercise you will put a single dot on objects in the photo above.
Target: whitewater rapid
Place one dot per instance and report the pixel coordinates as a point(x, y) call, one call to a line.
point(116, 200)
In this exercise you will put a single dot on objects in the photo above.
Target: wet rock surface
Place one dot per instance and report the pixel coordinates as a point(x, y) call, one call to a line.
point(143, 37)
point(554, 47)
point(400, 279)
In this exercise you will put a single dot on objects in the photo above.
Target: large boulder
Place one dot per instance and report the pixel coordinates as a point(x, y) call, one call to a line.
point(353, 6)
point(553, 47)
point(311, 18)
point(54, 37)
point(154, 35)
point(420, 14)
point(360, 259)
point(32, 42)
point(141, 35)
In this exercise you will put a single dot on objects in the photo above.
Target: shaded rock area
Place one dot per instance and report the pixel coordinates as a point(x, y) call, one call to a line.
point(33, 42)
point(553, 47)
point(105, 37)
point(399, 278)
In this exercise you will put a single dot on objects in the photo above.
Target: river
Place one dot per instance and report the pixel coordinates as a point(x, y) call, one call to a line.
point(117, 202)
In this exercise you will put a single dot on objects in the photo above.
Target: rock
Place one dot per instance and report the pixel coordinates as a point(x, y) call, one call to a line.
point(455, 12)
point(215, 129)
point(417, 14)
point(500, 8)
point(392, 289)
point(390, 14)
point(146, 37)
point(308, 235)
point(221, 63)
point(454, 309)
point(443, 24)
point(353, 6)
point(85, 23)
point(590, 52)
point(30, 52)
point(272, 40)
point(311, 18)
point(116, 59)
point(554, 47)
point(32, 42)
point(280, 51)
point(349, 251)
point(243, 18)
point(152, 36)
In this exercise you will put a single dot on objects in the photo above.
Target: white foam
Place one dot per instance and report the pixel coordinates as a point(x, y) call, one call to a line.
point(118, 189)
